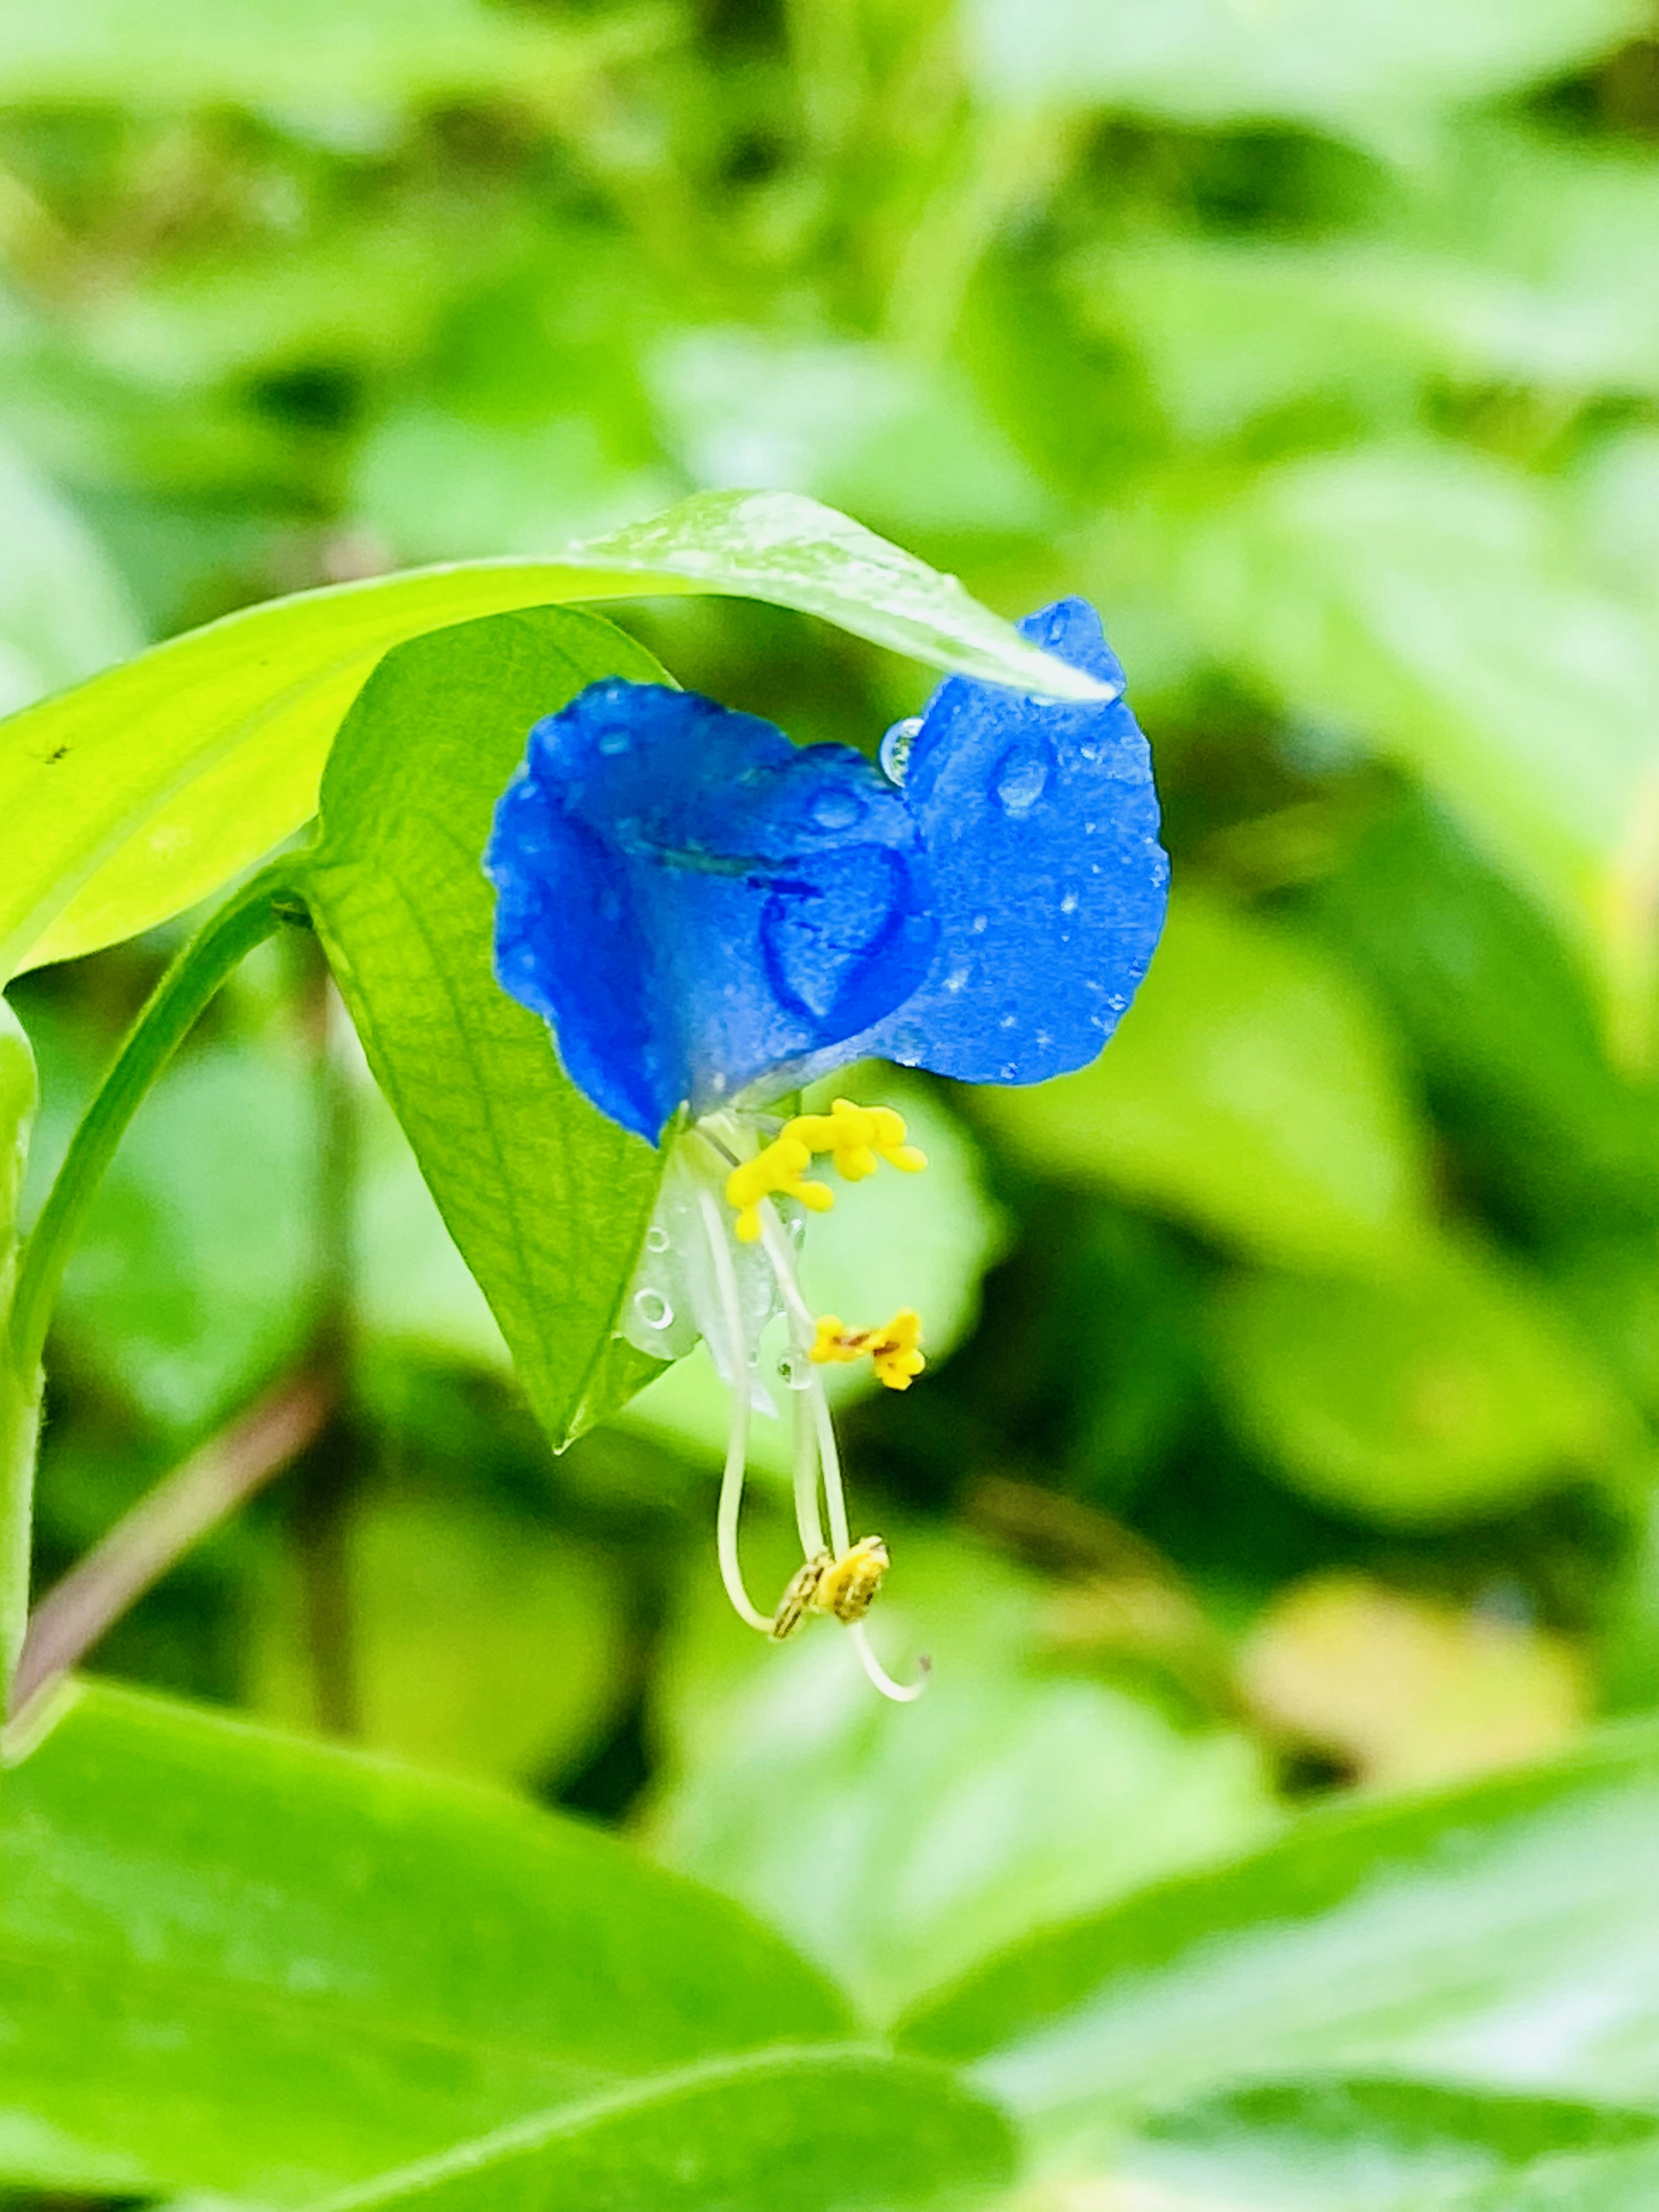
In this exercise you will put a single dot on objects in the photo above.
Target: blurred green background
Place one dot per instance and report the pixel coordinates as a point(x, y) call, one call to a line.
point(1290, 1420)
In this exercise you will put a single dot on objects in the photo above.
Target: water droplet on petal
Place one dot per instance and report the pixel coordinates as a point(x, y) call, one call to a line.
point(1068, 904)
point(652, 1309)
point(656, 1240)
point(614, 741)
point(1021, 776)
point(895, 755)
point(837, 810)
point(979, 923)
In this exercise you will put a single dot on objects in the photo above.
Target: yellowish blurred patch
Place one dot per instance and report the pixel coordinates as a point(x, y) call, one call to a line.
point(1407, 1690)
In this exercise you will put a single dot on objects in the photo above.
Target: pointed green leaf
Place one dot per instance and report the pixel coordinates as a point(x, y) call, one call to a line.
point(135, 795)
point(823, 2132)
point(547, 1200)
point(239, 1961)
point(1387, 2146)
point(1505, 1934)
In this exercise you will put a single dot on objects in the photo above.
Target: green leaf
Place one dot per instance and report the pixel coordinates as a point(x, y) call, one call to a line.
point(236, 1961)
point(1428, 602)
point(1353, 67)
point(1447, 1388)
point(1383, 2146)
point(132, 798)
point(482, 1641)
point(547, 1200)
point(159, 1298)
point(64, 612)
point(1009, 1797)
point(1505, 1935)
point(846, 2132)
point(265, 51)
point(1251, 1091)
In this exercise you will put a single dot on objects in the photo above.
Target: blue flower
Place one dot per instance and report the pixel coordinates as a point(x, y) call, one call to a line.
point(707, 915)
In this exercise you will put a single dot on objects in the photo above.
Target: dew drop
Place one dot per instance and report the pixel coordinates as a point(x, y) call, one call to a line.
point(614, 741)
point(837, 810)
point(894, 754)
point(1068, 904)
point(652, 1309)
point(796, 1370)
point(656, 1240)
point(979, 923)
point(1020, 778)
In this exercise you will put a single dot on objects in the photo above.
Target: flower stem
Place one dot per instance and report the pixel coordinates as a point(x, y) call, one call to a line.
point(172, 1011)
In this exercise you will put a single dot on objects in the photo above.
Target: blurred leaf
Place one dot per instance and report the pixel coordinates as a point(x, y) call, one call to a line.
point(479, 1643)
point(1448, 1389)
point(1499, 1019)
point(236, 1961)
point(1407, 1690)
point(263, 52)
point(1249, 1090)
point(848, 422)
point(1360, 67)
point(851, 2131)
point(1505, 1936)
point(1512, 259)
point(439, 487)
point(1425, 600)
point(921, 1241)
point(129, 799)
point(899, 1845)
point(547, 1200)
point(1360, 2146)
point(64, 612)
point(191, 1283)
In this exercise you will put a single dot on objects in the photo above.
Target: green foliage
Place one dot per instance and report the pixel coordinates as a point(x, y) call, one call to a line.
point(1317, 342)
point(1360, 68)
point(236, 1962)
point(1251, 1090)
point(848, 2129)
point(1443, 1390)
point(1402, 1939)
point(1012, 1797)
point(1383, 2146)
point(547, 1201)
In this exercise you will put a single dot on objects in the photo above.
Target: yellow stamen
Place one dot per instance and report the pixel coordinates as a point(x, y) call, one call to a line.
point(855, 1136)
point(895, 1349)
point(776, 1171)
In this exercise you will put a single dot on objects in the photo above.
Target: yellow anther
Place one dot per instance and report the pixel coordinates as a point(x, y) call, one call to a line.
point(895, 1349)
point(855, 1136)
point(777, 1170)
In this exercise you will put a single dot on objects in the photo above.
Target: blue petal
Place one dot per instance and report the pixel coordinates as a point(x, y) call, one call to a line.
point(695, 905)
point(1039, 822)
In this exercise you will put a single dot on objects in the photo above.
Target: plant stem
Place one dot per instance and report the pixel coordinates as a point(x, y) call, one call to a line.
point(328, 1479)
point(251, 916)
point(256, 913)
point(162, 1526)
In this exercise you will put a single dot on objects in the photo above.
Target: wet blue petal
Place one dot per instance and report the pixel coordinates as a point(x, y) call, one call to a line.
point(1039, 822)
point(695, 905)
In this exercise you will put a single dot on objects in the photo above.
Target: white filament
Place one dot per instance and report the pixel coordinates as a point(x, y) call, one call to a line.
point(814, 1427)
point(737, 1446)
